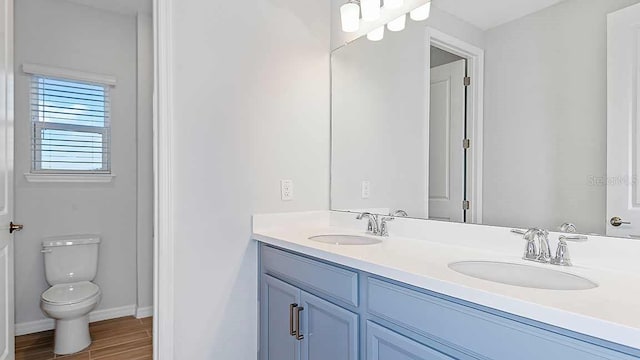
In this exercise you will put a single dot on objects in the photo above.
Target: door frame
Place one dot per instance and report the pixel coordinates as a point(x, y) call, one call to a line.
point(475, 112)
point(163, 241)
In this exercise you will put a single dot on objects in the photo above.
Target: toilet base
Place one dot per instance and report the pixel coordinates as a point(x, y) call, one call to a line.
point(72, 336)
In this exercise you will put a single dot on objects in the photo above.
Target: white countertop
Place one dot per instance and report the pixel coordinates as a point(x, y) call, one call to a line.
point(610, 312)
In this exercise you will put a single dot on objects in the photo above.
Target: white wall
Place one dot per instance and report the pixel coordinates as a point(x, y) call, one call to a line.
point(61, 34)
point(545, 117)
point(379, 123)
point(251, 85)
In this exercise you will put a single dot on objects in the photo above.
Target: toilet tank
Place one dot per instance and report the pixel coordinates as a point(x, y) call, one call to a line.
point(70, 258)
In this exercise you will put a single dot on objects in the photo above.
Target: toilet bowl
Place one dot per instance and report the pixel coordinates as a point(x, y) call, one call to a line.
point(70, 265)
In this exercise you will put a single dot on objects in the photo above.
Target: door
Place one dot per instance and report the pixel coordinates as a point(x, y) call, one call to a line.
point(446, 135)
point(329, 331)
point(623, 123)
point(279, 302)
point(384, 344)
point(6, 180)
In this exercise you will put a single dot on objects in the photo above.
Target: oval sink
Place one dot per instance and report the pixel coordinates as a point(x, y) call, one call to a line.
point(345, 239)
point(522, 275)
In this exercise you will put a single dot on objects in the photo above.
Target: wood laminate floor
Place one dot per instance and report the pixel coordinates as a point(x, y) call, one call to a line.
point(125, 338)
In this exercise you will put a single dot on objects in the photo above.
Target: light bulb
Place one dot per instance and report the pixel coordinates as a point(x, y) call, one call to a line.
point(376, 34)
point(370, 10)
point(422, 12)
point(398, 23)
point(350, 13)
point(393, 4)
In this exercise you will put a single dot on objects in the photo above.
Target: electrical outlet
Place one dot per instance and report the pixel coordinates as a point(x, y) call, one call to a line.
point(286, 190)
point(366, 189)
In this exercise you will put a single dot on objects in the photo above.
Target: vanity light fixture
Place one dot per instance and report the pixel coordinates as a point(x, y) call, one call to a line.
point(393, 4)
point(398, 24)
point(376, 34)
point(371, 11)
point(350, 15)
point(422, 12)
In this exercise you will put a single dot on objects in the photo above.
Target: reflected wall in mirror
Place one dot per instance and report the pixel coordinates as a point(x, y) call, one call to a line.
point(521, 143)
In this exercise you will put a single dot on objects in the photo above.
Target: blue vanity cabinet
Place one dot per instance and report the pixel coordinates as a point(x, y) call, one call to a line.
point(296, 325)
point(330, 332)
point(384, 344)
point(346, 314)
point(277, 305)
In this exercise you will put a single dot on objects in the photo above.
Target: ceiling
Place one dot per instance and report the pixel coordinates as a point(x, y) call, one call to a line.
point(129, 7)
point(486, 14)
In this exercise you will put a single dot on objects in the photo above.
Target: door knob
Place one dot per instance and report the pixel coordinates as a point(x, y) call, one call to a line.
point(14, 227)
point(617, 222)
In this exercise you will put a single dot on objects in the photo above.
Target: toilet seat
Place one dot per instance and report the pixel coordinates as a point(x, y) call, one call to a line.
point(72, 293)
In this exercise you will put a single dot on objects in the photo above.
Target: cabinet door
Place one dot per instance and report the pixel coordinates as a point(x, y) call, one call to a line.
point(276, 340)
point(384, 344)
point(330, 332)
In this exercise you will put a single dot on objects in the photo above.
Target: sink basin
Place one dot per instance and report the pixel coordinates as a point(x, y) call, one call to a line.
point(522, 275)
point(345, 239)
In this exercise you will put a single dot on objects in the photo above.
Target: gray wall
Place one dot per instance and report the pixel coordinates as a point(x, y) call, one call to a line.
point(60, 34)
point(440, 57)
point(545, 117)
point(251, 87)
point(145, 161)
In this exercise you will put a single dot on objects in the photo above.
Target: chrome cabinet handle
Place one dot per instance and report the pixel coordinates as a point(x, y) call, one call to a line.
point(292, 332)
point(299, 336)
point(617, 222)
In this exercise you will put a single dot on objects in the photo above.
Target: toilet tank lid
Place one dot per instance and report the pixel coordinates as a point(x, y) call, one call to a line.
point(68, 240)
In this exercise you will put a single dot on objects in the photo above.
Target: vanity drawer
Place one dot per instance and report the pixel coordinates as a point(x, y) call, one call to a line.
point(335, 282)
point(479, 333)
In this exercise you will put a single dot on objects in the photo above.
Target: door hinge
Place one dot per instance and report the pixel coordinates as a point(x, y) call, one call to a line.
point(466, 143)
point(467, 81)
point(466, 205)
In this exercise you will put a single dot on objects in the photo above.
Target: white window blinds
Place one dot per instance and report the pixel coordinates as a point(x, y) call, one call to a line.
point(70, 126)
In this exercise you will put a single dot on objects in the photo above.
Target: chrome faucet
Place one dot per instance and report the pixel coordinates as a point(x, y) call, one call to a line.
point(541, 251)
point(372, 225)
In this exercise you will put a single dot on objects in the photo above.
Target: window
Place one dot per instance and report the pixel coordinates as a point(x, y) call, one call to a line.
point(70, 126)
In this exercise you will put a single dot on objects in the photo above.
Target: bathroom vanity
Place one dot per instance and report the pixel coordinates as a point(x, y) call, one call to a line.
point(398, 299)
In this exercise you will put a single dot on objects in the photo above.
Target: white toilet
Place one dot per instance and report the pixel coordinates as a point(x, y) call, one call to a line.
point(71, 263)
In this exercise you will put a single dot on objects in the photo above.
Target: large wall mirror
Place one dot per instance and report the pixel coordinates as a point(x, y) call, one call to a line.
point(508, 113)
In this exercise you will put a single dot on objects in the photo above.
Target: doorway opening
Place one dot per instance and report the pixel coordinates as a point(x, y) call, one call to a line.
point(455, 129)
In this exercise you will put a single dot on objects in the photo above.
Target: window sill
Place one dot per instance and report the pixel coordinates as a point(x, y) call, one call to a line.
point(69, 178)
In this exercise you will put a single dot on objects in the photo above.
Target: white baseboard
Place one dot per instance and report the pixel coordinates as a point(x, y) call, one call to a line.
point(97, 315)
point(144, 312)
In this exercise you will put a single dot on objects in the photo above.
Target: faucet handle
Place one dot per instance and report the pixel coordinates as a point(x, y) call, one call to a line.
point(384, 227)
point(562, 253)
point(530, 249)
point(568, 228)
point(399, 213)
point(574, 238)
